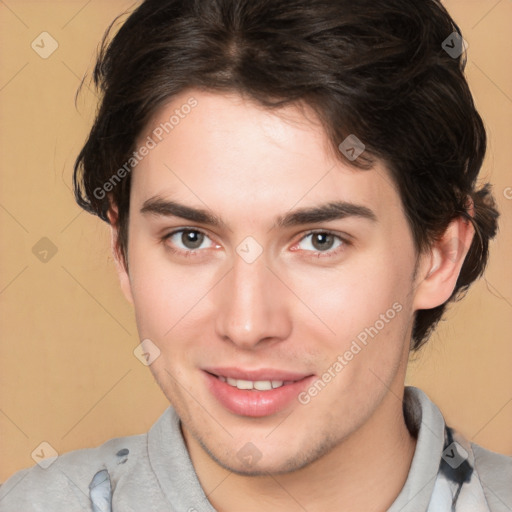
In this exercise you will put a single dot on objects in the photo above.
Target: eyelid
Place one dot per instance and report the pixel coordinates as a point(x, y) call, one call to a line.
point(187, 252)
point(344, 238)
point(185, 228)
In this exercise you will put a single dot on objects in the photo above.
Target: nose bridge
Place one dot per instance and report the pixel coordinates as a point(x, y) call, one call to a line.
point(252, 307)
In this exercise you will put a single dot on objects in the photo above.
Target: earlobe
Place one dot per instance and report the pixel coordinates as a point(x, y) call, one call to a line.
point(440, 268)
point(122, 273)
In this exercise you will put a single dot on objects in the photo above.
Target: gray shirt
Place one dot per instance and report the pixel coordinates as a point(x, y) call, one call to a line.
point(153, 473)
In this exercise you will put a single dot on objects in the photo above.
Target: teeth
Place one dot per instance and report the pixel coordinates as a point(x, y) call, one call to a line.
point(243, 384)
point(259, 385)
point(262, 385)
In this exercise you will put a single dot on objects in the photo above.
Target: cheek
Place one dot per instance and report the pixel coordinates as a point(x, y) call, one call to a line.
point(162, 292)
point(334, 305)
point(366, 293)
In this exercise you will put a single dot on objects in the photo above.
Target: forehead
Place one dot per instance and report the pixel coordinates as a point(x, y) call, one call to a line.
point(230, 154)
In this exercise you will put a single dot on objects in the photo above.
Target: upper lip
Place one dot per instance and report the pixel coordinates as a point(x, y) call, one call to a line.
point(255, 375)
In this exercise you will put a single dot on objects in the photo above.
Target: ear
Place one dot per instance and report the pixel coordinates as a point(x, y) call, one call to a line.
point(439, 269)
point(122, 272)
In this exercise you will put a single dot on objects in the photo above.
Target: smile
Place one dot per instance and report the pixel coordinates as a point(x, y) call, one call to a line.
point(255, 393)
point(259, 385)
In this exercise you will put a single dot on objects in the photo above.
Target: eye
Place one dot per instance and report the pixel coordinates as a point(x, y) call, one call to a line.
point(187, 241)
point(323, 243)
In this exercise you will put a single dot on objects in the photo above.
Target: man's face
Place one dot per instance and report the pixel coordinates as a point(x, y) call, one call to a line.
point(323, 319)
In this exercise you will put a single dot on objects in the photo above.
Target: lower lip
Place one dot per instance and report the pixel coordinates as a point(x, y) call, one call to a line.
point(252, 402)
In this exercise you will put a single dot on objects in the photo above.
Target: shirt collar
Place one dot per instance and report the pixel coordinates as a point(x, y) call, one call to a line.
point(424, 421)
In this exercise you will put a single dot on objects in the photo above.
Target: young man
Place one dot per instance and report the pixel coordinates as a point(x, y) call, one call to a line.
point(291, 190)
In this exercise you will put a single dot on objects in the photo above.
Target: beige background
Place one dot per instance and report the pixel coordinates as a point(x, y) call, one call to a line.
point(68, 375)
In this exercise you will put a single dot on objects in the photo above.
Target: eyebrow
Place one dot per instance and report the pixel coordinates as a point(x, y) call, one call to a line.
point(333, 210)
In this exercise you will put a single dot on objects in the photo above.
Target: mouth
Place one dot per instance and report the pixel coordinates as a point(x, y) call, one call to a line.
point(258, 385)
point(255, 393)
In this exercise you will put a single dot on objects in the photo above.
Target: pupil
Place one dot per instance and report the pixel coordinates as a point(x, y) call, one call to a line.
point(192, 239)
point(323, 237)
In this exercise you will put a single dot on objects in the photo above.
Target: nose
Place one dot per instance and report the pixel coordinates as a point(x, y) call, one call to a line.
point(252, 306)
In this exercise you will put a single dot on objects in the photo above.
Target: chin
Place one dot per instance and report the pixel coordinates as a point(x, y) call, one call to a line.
point(250, 461)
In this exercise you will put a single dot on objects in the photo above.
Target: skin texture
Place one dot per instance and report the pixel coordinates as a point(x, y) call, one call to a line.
point(294, 308)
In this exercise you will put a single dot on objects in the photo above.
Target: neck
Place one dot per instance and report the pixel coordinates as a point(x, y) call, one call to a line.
point(366, 471)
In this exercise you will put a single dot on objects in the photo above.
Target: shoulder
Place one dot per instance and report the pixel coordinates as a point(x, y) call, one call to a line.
point(65, 482)
point(495, 474)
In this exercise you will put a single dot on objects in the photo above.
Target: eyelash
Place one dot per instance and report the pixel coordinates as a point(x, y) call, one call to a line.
point(314, 254)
